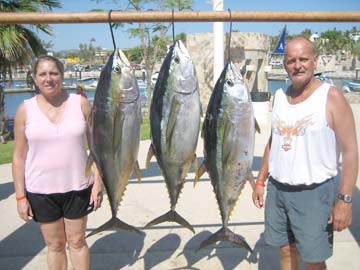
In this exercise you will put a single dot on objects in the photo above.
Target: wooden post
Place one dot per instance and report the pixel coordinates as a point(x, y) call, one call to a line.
point(183, 16)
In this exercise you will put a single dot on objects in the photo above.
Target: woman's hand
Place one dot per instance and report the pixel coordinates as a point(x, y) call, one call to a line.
point(96, 191)
point(24, 210)
point(96, 195)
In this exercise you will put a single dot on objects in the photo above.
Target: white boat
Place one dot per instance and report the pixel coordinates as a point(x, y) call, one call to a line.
point(92, 81)
point(154, 79)
point(351, 86)
point(324, 78)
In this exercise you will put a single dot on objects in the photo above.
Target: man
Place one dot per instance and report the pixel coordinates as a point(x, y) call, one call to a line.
point(311, 123)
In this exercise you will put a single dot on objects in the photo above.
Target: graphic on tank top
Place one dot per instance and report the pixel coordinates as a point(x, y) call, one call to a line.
point(289, 131)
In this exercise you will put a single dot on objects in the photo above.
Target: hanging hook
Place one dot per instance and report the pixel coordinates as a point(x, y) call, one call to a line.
point(229, 44)
point(111, 30)
point(173, 27)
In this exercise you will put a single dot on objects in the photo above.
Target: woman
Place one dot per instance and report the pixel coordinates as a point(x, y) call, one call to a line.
point(49, 166)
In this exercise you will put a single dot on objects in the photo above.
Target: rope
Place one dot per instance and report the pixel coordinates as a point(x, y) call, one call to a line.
point(111, 30)
point(229, 44)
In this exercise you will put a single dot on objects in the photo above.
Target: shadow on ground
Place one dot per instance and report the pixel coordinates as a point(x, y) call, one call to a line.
point(116, 250)
point(21, 246)
point(6, 190)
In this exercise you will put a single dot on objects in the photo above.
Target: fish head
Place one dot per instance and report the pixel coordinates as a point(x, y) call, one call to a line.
point(234, 85)
point(182, 71)
point(124, 87)
point(117, 83)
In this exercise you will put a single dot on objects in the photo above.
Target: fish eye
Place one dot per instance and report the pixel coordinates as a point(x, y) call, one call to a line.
point(117, 69)
point(229, 83)
point(177, 60)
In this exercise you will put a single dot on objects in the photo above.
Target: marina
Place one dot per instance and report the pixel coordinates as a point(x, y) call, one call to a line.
point(169, 246)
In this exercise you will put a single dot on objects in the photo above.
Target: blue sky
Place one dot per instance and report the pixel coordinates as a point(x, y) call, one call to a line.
point(69, 36)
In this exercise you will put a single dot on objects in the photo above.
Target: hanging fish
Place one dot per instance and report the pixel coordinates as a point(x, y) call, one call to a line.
point(115, 132)
point(229, 134)
point(175, 124)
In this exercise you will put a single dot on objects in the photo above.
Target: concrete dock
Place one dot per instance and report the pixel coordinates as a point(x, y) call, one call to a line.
point(168, 246)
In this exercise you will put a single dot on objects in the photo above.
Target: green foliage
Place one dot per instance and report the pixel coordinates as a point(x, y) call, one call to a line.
point(145, 129)
point(329, 42)
point(306, 33)
point(18, 43)
point(334, 40)
point(356, 48)
point(6, 152)
point(134, 55)
point(181, 36)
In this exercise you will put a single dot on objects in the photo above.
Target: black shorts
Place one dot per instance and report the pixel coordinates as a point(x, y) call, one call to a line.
point(51, 207)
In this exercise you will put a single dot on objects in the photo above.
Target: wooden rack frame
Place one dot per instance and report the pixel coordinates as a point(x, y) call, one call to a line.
point(177, 16)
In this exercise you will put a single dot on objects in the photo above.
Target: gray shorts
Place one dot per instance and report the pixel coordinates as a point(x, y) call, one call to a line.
point(300, 215)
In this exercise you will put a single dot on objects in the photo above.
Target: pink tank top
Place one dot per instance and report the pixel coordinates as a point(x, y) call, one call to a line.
point(56, 158)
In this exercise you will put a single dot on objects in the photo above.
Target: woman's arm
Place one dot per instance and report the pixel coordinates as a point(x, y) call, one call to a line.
point(96, 192)
point(18, 164)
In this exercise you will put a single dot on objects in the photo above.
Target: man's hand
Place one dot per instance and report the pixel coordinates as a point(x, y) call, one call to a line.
point(341, 215)
point(258, 196)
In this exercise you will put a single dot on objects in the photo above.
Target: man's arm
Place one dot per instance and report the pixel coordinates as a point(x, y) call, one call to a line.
point(341, 120)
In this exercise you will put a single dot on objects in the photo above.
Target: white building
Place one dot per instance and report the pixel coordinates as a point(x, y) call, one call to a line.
point(355, 36)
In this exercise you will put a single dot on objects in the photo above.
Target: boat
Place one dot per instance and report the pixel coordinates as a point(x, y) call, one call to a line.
point(323, 76)
point(92, 81)
point(351, 86)
point(154, 77)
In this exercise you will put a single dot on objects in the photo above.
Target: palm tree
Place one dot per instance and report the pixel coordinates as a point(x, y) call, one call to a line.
point(19, 43)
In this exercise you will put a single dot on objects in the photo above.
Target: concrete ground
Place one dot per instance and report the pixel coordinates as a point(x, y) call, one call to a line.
point(168, 246)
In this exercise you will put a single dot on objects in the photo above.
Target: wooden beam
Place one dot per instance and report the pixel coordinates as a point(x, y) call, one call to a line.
point(183, 16)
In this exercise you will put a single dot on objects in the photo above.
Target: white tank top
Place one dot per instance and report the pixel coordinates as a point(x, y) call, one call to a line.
point(56, 159)
point(303, 148)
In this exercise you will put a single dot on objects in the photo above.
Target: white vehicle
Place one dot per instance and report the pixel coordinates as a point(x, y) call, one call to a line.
point(154, 79)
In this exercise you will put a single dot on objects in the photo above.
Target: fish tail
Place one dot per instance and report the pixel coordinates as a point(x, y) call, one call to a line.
point(171, 216)
point(89, 163)
point(112, 224)
point(202, 169)
point(257, 127)
point(137, 171)
point(196, 169)
point(225, 234)
point(149, 155)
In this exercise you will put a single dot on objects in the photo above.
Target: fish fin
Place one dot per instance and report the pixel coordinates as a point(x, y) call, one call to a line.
point(174, 110)
point(90, 120)
point(227, 134)
point(202, 169)
point(149, 155)
point(257, 127)
point(137, 171)
point(225, 234)
point(89, 163)
point(171, 216)
point(252, 181)
point(114, 223)
point(118, 124)
point(196, 169)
